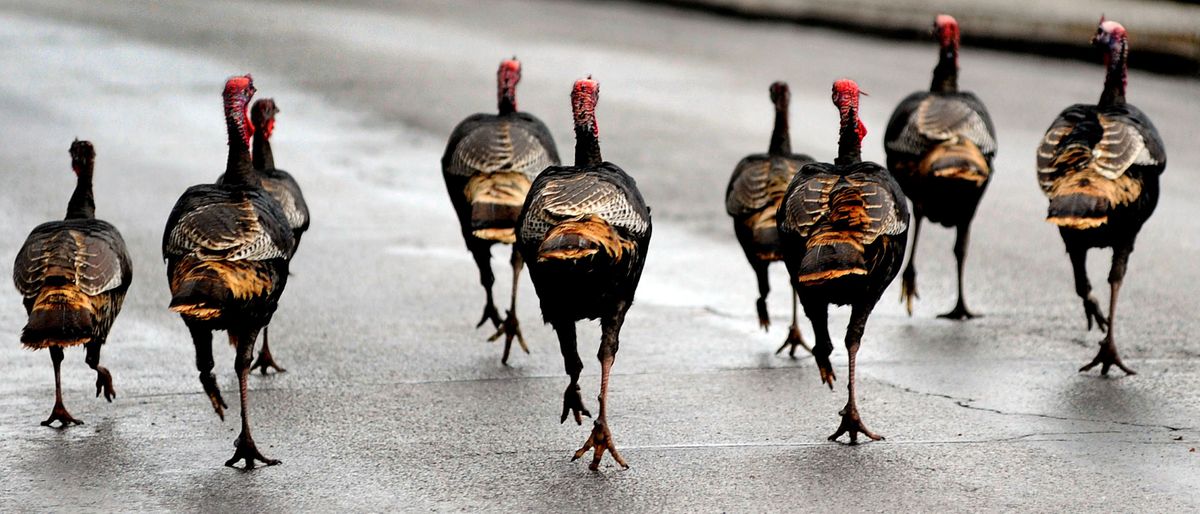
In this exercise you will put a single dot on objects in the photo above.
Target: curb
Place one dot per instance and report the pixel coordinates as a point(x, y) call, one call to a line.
point(1165, 40)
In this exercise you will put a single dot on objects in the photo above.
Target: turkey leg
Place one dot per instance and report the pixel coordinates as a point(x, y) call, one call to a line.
point(764, 288)
point(1107, 356)
point(572, 400)
point(202, 340)
point(104, 382)
point(59, 413)
point(1091, 307)
point(243, 341)
point(794, 339)
point(818, 314)
point(265, 361)
point(511, 328)
point(601, 438)
point(483, 258)
point(960, 311)
point(851, 422)
point(908, 280)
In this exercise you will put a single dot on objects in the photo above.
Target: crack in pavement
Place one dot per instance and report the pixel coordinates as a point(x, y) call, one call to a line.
point(966, 403)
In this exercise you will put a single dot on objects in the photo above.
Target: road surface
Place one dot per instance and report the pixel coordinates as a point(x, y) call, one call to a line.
point(392, 400)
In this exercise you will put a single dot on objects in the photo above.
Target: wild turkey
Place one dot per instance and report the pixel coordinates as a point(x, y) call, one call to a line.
point(843, 228)
point(227, 248)
point(753, 197)
point(585, 231)
point(73, 275)
point(1099, 165)
point(283, 188)
point(489, 163)
point(940, 145)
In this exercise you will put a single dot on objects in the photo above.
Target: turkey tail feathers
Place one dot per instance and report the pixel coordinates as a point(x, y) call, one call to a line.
point(61, 316)
point(203, 289)
point(582, 238)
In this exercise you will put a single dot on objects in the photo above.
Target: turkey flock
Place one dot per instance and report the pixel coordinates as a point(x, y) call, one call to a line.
point(584, 230)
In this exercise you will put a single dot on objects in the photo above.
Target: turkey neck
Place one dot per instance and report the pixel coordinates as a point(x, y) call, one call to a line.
point(781, 140)
point(239, 169)
point(945, 75)
point(507, 103)
point(263, 159)
point(83, 203)
point(587, 146)
point(1114, 79)
point(849, 144)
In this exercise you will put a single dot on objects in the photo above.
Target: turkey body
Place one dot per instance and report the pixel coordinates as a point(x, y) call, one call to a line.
point(752, 199)
point(73, 275)
point(940, 148)
point(843, 228)
point(585, 233)
point(228, 247)
point(844, 231)
point(1100, 168)
point(754, 195)
point(1099, 165)
point(489, 165)
point(585, 230)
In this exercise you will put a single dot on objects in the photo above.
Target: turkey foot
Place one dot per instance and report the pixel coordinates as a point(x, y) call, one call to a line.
point(1107, 357)
point(214, 393)
point(908, 289)
point(61, 415)
point(489, 313)
point(265, 361)
point(601, 440)
point(573, 405)
point(794, 339)
point(104, 384)
point(960, 313)
point(1091, 309)
point(853, 425)
point(764, 319)
point(246, 450)
point(510, 328)
point(824, 366)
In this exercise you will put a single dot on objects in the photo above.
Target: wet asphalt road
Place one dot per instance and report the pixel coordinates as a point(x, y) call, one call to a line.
point(393, 399)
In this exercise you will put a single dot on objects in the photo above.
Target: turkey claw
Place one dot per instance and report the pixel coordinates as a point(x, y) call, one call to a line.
point(573, 405)
point(510, 328)
point(104, 384)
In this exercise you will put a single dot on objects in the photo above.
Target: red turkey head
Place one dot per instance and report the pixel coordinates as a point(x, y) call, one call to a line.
point(83, 155)
point(238, 92)
point(845, 97)
point(945, 27)
point(584, 97)
point(262, 115)
point(507, 78)
point(780, 95)
point(1110, 34)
